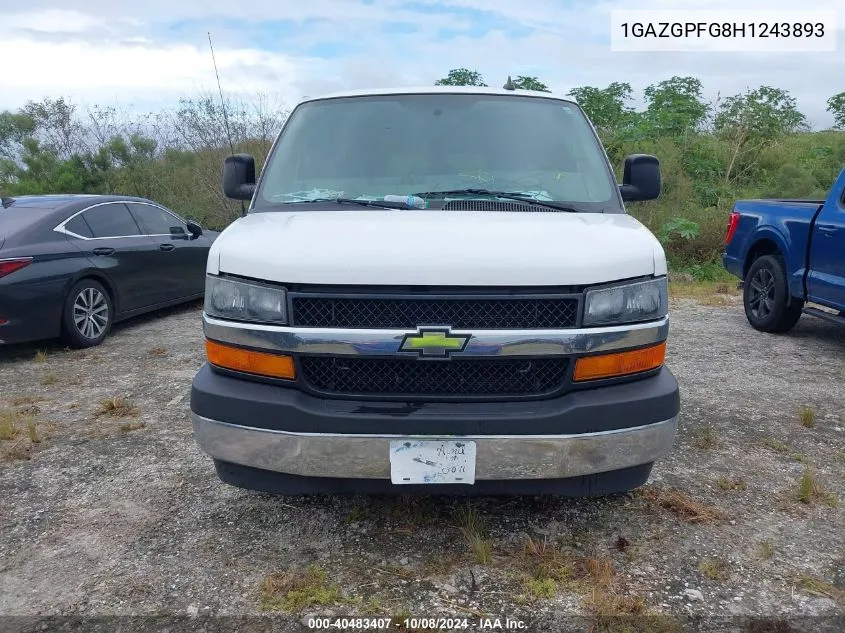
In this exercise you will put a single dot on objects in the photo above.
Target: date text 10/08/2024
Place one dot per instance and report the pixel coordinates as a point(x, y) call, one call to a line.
point(417, 624)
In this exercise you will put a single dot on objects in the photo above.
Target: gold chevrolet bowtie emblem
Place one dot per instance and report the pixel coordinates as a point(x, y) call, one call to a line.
point(434, 342)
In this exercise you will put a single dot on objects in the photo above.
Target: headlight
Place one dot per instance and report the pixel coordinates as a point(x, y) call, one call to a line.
point(244, 301)
point(627, 303)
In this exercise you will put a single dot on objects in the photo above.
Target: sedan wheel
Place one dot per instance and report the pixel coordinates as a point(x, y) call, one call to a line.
point(91, 313)
point(87, 315)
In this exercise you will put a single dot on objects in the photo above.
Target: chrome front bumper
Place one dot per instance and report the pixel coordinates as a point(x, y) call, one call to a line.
point(498, 457)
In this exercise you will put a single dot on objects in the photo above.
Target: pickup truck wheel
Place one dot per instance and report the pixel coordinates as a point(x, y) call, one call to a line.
point(766, 297)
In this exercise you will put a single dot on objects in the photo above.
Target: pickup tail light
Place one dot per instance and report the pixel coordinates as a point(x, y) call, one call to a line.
point(733, 222)
point(8, 266)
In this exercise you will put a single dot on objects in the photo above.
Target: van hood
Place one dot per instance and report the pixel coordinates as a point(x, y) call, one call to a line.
point(431, 247)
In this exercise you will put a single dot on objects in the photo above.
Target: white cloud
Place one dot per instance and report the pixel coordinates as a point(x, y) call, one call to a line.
point(99, 50)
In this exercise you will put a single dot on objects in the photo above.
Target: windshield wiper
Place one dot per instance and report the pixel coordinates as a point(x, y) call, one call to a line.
point(508, 195)
point(379, 204)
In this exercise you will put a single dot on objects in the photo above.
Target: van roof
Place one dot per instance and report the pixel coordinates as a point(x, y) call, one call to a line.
point(437, 90)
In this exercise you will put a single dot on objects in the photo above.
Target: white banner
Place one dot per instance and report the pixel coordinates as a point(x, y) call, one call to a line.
point(723, 31)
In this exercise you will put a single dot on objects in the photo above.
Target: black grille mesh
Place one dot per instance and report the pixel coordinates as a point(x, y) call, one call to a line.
point(459, 313)
point(414, 377)
point(495, 205)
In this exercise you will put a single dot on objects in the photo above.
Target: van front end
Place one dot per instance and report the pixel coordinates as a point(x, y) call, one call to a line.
point(458, 390)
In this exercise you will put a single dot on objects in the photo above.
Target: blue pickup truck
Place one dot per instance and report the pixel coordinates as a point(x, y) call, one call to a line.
point(789, 253)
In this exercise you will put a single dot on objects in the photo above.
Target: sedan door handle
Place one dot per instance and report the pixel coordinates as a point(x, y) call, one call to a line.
point(166, 247)
point(103, 250)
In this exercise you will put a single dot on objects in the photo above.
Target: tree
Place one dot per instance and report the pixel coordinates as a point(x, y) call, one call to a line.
point(754, 120)
point(530, 83)
point(836, 106)
point(606, 107)
point(764, 112)
point(675, 106)
point(462, 77)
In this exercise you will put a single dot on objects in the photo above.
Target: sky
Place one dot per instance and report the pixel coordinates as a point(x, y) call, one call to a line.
point(146, 55)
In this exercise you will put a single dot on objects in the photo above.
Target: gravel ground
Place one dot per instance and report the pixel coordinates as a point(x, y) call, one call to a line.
point(115, 512)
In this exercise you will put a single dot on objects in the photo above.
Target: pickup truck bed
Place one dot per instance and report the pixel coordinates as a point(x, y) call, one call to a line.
point(789, 253)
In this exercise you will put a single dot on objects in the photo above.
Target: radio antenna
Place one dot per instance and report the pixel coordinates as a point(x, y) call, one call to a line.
point(223, 107)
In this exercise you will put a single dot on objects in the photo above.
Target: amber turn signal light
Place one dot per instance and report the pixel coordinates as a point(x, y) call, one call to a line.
point(619, 363)
point(249, 361)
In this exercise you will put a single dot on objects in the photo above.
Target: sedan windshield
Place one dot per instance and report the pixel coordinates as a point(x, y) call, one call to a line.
point(438, 147)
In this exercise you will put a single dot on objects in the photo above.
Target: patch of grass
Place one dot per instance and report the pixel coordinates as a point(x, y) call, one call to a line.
point(117, 407)
point(357, 514)
point(766, 550)
point(49, 378)
point(809, 491)
point(706, 438)
point(128, 427)
point(413, 510)
point(801, 458)
point(20, 401)
point(472, 527)
point(731, 484)
point(542, 560)
point(807, 415)
point(546, 588)
point(157, 351)
point(818, 587)
point(776, 445)
point(296, 591)
point(32, 432)
point(10, 422)
point(715, 569)
point(41, 356)
point(681, 505)
point(713, 293)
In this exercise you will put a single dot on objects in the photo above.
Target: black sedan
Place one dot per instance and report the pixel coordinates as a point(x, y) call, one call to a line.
point(72, 265)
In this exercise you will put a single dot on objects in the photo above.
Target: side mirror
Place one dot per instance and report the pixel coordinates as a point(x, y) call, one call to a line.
point(239, 177)
point(194, 228)
point(641, 178)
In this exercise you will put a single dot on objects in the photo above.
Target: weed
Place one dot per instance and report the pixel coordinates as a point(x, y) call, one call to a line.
point(128, 427)
point(706, 438)
point(807, 416)
point(20, 401)
point(546, 588)
point(116, 407)
point(9, 421)
point(472, 528)
point(766, 550)
point(357, 514)
point(49, 378)
point(809, 490)
point(41, 356)
point(776, 445)
point(296, 591)
point(801, 458)
point(731, 484)
point(32, 432)
point(157, 351)
point(715, 569)
point(818, 587)
point(682, 505)
point(542, 561)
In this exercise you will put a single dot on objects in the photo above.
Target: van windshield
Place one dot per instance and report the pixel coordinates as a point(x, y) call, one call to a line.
point(375, 146)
